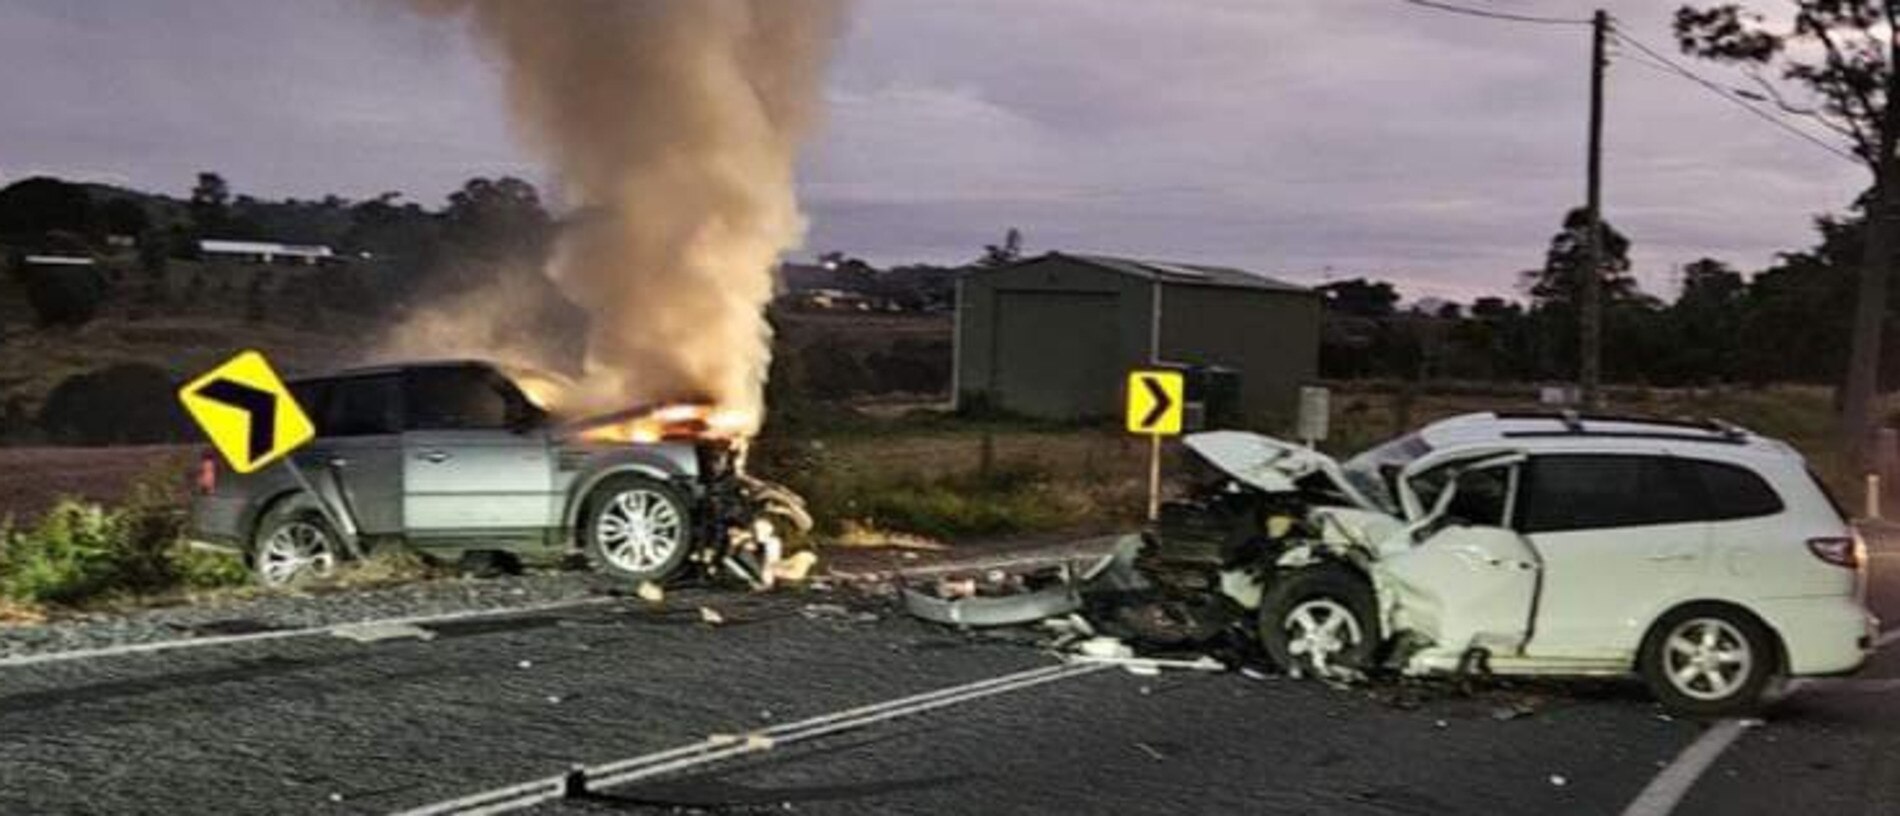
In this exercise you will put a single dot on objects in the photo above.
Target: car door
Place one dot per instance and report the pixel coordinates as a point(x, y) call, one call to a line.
point(1621, 537)
point(358, 450)
point(1470, 580)
point(465, 470)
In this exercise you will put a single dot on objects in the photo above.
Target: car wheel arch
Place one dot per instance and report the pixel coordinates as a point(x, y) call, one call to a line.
point(261, 510)
point(585, 489)
point(1776, 640)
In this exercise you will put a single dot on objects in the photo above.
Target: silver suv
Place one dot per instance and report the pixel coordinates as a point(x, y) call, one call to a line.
point(452, 457)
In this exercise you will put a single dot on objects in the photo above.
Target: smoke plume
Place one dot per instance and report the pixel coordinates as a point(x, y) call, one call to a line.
point(674, 124)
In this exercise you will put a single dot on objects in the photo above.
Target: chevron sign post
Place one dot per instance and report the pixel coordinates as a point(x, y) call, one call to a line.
point(1157, 398)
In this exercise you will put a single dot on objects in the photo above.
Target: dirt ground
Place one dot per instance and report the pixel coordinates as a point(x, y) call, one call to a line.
point(32, 479)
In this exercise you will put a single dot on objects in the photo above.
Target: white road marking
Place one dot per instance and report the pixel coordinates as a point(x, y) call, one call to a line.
point(1668, 788)
point(726, 746)
point(282, 634)
point(1662, 794)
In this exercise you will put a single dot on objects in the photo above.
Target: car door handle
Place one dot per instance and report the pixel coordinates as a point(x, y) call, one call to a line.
point(434, 456)
point(1661, 557)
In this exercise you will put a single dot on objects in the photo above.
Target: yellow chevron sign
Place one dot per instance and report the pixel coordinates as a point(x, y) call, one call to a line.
point(1156, 401)
point(248, 414)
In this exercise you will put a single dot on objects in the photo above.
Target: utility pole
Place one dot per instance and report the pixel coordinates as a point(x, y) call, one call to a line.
point(1870, 315)
point(1590, 309)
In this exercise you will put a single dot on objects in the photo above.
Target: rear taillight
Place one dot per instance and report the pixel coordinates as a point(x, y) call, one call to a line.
point(207, 474)
point(1841, 551)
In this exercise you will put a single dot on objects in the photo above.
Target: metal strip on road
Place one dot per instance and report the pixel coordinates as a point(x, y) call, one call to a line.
point(720, 747)
point(281, 634)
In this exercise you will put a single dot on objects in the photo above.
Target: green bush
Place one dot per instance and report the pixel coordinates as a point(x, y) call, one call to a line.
point(79, 552)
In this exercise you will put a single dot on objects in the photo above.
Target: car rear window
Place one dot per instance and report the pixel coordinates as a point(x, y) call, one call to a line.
point(1731, 492)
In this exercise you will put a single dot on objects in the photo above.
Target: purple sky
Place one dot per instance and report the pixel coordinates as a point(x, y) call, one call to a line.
point(1303, 138)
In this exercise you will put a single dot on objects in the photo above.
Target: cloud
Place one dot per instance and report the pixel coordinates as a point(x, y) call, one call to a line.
point(1305, 139)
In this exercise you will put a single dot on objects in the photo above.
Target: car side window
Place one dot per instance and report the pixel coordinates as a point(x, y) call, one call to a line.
point(362, 406)
point(457, 398)
point(1732, 492)
point(310, 395)
point(1483, 498)
point(1595, 491)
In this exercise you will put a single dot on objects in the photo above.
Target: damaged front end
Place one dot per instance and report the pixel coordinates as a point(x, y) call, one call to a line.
point(744, 526)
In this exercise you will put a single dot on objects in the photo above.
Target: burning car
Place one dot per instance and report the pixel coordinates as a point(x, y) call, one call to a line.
point(1701, 556)
point(451, 457)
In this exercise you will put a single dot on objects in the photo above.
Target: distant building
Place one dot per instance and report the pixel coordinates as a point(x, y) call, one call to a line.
point(1054, 336)
point(58, 260)
point(265, 252)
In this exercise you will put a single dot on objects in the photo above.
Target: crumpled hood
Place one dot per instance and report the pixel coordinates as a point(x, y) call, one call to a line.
point(1272, 465)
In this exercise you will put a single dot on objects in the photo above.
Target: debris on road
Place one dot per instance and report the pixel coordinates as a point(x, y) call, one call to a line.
point(1558, 780)
point(794, 568)
point(711, 616)
point(525, 664)
point(1012, 601)
point(650, 592)
point(1150, 751)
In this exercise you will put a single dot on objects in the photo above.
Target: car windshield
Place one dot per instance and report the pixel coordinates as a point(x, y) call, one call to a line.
point(1374, 471)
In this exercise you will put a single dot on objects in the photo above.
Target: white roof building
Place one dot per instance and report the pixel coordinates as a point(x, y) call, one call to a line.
point(266, 251)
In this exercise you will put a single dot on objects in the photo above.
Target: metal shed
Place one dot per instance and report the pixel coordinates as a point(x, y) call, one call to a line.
point(1054, 336)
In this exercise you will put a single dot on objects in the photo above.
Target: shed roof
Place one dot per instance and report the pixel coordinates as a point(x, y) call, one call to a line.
point(1183, 273)
point(217, 246)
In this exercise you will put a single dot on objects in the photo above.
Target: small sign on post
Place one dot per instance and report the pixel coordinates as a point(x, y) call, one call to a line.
point(1157, 400)
point(1315, 414)
point(252, 420)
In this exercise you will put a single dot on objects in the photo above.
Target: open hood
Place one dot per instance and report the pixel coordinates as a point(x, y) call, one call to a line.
point(1272, 465)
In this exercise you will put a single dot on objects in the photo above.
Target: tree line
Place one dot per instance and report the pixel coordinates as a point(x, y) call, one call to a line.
point(1789, 322)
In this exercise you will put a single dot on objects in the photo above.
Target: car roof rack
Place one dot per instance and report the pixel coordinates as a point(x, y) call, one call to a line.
point(1573, 424)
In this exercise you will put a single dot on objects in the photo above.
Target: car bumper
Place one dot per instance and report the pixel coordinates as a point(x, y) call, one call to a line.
point(217, 522)
point(1830, 635)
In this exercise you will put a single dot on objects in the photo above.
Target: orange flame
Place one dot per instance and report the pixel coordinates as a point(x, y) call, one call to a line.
point(684, 420)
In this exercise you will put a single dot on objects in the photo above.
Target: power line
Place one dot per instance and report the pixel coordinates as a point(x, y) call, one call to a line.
point(1670, 66)
point(1496, 15)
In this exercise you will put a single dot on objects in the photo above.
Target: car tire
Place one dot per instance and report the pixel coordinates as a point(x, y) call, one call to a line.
point(294, 544)
point(1320, 621)
point(1709, 660)
point(637, 528)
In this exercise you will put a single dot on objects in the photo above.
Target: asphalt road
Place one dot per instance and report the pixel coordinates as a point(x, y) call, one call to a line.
point(327, 724)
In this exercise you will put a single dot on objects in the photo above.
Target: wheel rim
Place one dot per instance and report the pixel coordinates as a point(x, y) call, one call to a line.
point(294, 550)
point(1707, 659)
point(1320, 630)
point(639, 530)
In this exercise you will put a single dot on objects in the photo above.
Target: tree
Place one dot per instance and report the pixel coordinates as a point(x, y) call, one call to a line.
point(1360, 297)
point(211, 204)
point(1559, 284)
point(34, 207)
point(1005, 253)
point(1834, 63)
point(62, 295)
point(123, 216)
point(1706, 321)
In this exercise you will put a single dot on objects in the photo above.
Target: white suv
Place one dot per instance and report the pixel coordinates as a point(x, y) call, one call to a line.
point(1704, 557)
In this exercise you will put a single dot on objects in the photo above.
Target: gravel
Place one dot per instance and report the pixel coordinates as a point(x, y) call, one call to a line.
point(296, 611)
